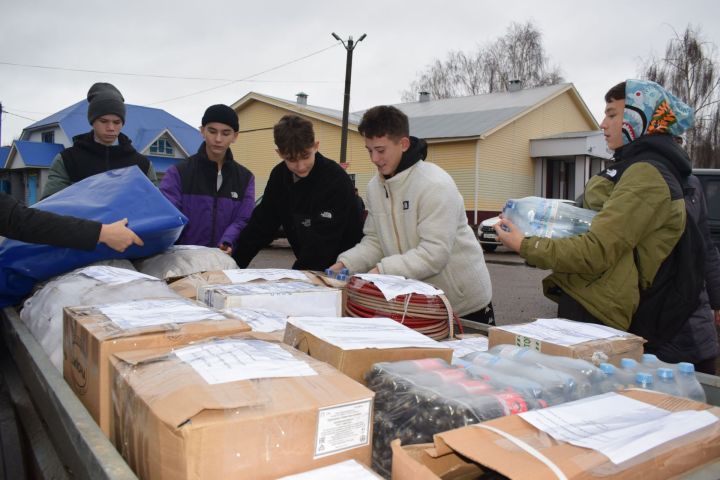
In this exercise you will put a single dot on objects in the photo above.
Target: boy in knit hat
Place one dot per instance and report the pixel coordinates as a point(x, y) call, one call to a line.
point(216, 193)
point(103, 148)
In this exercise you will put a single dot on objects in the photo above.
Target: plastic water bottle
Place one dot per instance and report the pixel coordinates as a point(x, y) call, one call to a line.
point(330, 273)
point(629, 365)
point(545, 217)
point(689, 385)
point(653, 362)
point(644, 380)
point(503, 381)
point(666, 382)
point(616, 378)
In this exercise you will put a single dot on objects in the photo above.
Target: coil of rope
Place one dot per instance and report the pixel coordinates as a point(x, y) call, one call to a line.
point(430, 315)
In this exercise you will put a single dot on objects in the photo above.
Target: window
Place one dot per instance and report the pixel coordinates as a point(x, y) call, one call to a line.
point(162, 146)
point(48, 137)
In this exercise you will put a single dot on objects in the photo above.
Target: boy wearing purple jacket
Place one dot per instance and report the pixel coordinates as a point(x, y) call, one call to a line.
point(216, 193)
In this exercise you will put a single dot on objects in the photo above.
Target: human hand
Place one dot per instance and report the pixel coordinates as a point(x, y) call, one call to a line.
point(226, 247)
point(508, 234)
point(336, 267)
point(717, 318)
point(117, 236)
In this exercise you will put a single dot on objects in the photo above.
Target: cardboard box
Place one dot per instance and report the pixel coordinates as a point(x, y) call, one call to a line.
point(356, 363)
point(188, 286)
point(181, 427)
point(347, 469)
point(90, 338)
point(470, 447)
point(610, 350)
point(292, 298)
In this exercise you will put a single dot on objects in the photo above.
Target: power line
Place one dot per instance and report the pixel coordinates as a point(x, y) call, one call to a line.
point(248, 77)
point(16, 115)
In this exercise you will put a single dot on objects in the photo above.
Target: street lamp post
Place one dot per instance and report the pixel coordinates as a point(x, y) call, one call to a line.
point(349, 46)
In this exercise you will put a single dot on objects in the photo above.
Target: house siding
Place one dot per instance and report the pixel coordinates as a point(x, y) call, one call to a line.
point(458, 159)
point(506, 168)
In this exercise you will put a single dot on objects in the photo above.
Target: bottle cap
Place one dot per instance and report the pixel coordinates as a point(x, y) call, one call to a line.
point(608, 368)
point(330, 272)
point(643, 378)
point(344, 270)
point(342, 277)
point(686, 367)
point(665, 373)
point(628, 363)
point(649, 358)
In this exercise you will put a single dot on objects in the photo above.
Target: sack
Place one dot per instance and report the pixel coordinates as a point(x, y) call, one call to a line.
point(674, 295)
point(106, 197)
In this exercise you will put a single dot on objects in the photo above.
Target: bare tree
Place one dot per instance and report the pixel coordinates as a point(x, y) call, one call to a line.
point(691, 71)
point(518, 54)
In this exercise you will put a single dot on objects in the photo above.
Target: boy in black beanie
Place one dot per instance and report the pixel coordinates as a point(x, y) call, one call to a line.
point(103, 148)
point(216, 193)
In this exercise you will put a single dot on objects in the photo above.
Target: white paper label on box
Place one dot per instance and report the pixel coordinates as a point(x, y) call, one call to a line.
point(270, 274)
point(466, 346)
point(563, 332)
point(619, 427)
point(527, 342)
point(347, 470)
point(224, 361)
point(114, 275)
point(146, 313)
point(393, 285)
point(350, 333)
point(343, 427)
point(259, 319)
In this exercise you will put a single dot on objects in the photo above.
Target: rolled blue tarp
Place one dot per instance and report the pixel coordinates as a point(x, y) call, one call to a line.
point(106, 198)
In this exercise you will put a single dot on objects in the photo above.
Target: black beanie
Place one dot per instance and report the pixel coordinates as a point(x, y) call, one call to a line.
point(221, 114)
point(104, 99)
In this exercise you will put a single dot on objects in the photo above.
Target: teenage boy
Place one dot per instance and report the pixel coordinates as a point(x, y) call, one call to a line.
point(416, 224)
point(216, 193)
point(310, 196)
point(597, 277)
point(103, 148)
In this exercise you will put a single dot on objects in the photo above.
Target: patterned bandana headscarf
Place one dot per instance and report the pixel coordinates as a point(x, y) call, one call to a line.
point(650, 109)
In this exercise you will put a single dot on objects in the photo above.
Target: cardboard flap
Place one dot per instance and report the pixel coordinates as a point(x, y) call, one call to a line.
point(181, 405)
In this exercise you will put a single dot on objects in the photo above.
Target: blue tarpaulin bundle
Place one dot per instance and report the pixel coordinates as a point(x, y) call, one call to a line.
point(107, 198)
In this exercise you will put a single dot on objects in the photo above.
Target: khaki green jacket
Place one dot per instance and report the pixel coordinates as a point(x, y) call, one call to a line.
point(597, 269)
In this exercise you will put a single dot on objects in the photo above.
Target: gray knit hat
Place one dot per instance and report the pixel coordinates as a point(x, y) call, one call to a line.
point(104, 99)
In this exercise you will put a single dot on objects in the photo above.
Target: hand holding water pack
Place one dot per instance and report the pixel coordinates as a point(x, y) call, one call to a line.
point(545, 217)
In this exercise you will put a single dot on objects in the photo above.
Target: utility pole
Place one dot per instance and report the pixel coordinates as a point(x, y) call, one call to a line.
point(349, 46)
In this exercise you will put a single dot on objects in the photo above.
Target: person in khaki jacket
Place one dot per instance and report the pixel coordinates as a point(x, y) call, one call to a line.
point(416, 224)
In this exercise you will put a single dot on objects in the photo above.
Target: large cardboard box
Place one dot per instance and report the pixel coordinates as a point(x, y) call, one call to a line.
point(506, 446)
point(321, 338)
point(291, 298)
point(172, 424)
point(535, 335)
point(90, 337)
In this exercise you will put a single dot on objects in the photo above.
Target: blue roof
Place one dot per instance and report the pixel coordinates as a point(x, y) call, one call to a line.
point(37, 154)
point(142, 125)
point(161, 164)
point(4, 152)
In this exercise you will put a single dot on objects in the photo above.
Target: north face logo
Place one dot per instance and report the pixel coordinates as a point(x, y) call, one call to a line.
point(327, 215)
point(234, 195)
point(611, 172)
point(306, 222)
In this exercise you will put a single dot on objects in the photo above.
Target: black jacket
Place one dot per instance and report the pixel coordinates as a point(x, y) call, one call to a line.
point(87, 157)
point(36, 226)
point(318, 213)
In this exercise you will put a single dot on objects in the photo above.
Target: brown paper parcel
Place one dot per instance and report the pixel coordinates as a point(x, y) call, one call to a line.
point(174, 425)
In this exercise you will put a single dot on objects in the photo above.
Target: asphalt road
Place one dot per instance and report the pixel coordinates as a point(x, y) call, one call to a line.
point(517, 288)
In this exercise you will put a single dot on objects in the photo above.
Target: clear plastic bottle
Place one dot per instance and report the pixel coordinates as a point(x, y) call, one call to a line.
point(545, 217)
point(503, 381)
point(666, 382)
point(615, 379)
point(644, 380)
point(629, 365)
point(689, 385)
point(653, 362)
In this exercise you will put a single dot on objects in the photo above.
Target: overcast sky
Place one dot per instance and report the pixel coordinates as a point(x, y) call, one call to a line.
point(596, 44)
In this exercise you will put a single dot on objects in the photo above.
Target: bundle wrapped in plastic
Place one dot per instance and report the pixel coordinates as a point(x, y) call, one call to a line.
point(93, 285)
point(418, 398)
point(547, 217)
point(183, 260)
point(106, 197)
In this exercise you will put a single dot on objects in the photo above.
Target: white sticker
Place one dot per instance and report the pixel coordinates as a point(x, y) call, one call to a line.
point(527, 342)
point(392, 286)
point(343, 427)
point(147, 313)
point(114, 275)
point(270, 274)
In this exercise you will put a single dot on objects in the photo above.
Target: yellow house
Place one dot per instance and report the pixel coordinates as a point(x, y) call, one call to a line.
point(541, 141)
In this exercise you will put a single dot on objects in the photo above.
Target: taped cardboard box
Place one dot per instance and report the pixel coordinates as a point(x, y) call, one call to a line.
point(328, 339)
point(547, 338)
point(188, 286)
point(90, 337)
point(173, 424)
point(507, 450)
point(292, 298)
